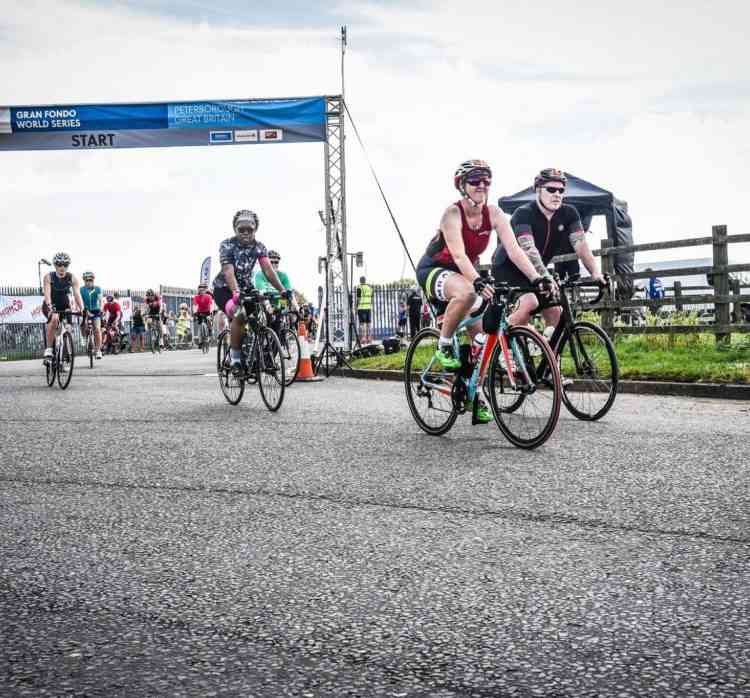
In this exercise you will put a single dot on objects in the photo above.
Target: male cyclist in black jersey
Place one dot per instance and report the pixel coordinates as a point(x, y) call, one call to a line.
point(544, 228)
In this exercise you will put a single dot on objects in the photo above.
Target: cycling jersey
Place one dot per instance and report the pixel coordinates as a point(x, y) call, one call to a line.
point(154, 306)
point(114, 310)
point(242, 258)
point(60, 290)
point(265, 286)
point(475, 242)
point(92, 298)
point(203, 302)
point(551, 236)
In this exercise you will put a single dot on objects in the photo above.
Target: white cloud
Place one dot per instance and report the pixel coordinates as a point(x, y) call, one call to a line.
point(605, 91)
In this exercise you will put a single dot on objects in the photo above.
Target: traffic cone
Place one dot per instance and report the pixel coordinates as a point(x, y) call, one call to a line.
point(305, 373)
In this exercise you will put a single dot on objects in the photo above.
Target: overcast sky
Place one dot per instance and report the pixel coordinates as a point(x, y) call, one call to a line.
point(649, 100)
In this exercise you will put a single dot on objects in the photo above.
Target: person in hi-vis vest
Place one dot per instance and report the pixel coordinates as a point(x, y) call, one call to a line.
point(364, 310)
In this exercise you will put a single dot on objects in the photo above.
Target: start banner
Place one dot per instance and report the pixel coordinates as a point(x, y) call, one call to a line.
point(24, 309)
point(150, 125)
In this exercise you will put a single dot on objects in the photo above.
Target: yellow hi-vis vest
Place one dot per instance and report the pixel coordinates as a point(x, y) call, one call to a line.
point(365, 297)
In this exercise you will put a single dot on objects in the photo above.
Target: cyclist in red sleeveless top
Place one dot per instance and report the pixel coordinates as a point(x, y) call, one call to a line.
point(447, 271)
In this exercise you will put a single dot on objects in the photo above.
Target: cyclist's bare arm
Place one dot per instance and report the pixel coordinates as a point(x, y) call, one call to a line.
point(77, 291)
point(228, 270)
point(47, 291)
point(582, 249)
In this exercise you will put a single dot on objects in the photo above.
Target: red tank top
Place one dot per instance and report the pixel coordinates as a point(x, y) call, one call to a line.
point(475, 241)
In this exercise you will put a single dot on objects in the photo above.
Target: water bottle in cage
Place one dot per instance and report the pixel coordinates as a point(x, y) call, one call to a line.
point(476, 346)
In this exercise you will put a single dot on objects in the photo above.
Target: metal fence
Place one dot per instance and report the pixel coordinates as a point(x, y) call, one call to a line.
point(386, 305)
point(28, 340)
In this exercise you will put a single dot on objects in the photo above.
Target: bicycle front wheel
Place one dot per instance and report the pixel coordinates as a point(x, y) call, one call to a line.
point(65, 366)
point(588, 357)
point(291, 351)
point(51, 367)
point(428, 386)
point(204, 338)
point(526, 407)
point(270, 368)
point(90, 349)
point(232, 386)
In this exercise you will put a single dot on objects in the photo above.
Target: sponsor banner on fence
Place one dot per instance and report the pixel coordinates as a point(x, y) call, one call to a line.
point(22, 309)
point(100, 126)
point(28, 309)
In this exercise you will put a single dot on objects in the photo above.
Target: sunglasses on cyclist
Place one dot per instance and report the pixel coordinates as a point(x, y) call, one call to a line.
point(64, 266)
point(555, 190)
point(476, 180)
point(246, 230)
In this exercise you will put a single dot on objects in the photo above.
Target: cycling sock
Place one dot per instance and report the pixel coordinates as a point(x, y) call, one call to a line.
point(235, 355)
point(445, 342)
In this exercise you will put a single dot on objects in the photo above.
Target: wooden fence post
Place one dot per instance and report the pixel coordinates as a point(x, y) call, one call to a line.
point(737, 314)
point(678, 296)
point(720, 280)
point(608, 267)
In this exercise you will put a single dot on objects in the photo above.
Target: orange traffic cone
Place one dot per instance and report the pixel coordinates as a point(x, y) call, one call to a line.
point(305, 373)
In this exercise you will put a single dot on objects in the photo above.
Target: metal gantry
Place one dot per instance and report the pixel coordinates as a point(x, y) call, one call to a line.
point(334, 218)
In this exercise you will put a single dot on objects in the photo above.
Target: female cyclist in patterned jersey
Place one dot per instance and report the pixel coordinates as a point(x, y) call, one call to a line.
point(448, 272)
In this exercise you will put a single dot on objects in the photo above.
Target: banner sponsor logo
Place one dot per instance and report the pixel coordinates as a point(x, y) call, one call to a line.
point(271, 134)
point(220, 137)
point(246, 136)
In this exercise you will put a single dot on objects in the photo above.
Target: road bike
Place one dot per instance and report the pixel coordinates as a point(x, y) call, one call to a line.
point(508, 370)
point(155, 333)
point(60, 364)
point(90, 343)
point(204, 337)
point(585, 354)
point(261, 362)
point(285, 321)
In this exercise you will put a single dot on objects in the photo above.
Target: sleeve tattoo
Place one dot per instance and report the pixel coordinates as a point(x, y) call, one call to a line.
point(526, 243)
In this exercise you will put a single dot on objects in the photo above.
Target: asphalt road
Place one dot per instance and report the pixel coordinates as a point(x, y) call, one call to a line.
point(156, 540)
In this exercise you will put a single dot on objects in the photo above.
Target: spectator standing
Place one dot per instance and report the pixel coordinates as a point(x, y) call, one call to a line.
point(137, 329)
point(414, 303)
point(364, 310)
point(655, 291)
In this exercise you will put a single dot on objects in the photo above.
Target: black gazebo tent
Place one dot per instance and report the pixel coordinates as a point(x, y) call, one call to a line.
point(590, 201)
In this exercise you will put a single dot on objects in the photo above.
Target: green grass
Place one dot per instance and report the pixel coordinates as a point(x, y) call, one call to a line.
point(684, 358)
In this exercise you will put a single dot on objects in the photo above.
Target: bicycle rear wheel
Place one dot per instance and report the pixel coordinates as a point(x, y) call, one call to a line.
point(232, 387)
point(291, 351)
point(270, 368)
point(527, 410)
point(428, 386)
point(588, 357)
point(67, 355)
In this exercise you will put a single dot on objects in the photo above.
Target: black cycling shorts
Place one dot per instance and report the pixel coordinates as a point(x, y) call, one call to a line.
point(364, 316)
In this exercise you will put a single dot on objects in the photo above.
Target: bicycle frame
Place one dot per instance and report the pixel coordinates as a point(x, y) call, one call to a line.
point(480, 368)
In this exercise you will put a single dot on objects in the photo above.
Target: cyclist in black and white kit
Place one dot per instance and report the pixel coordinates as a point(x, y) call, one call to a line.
point(544, 228)
point(238, 256)
point(58, 286)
